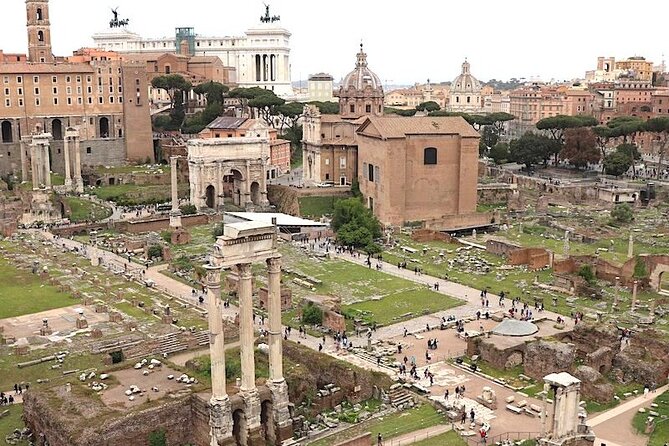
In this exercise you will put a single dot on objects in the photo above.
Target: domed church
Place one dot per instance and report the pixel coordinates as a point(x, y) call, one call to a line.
point(466, 92)
point(361, 92)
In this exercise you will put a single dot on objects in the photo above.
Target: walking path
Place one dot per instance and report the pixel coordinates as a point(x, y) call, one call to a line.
point(632, 404)
point(416, 436)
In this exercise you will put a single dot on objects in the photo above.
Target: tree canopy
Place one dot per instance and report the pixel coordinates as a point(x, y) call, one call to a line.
point(617, 163)
point(355, 224)
point(428, 106)
point(500, 153)
point(580, 147)
point(531, 149)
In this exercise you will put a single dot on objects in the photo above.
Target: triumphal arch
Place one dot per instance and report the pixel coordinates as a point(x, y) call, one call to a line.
point(232, 170)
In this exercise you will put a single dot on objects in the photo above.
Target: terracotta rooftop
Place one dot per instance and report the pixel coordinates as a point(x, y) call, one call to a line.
point(400, 127)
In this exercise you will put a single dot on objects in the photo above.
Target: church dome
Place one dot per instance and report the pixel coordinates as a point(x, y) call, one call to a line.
point(465, 82)
point(362, 76)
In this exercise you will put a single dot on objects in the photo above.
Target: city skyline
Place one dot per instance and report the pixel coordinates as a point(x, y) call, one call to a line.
point(399, 54)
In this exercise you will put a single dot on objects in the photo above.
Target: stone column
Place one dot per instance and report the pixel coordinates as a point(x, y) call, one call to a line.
point(566, 243)
point(175, 214)
point(246, 327)
point(274, 310)
point(66, 152)
point(247, 185)
point(277, 383)
point(248, 390)
point(634, 291)
point(78, 181)
point(25, 146)
point(34, 165)
point(630, 247)
point(263, 185)
point(220, 416)
point(46, 165)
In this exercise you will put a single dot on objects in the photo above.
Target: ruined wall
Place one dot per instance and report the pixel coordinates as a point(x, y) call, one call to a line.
point(534, 258)
point(544, 357)
point(426, 235)
point(284, 198)
point(488, 351)
point(500, 247)
point(76, 423)
point(307, 370)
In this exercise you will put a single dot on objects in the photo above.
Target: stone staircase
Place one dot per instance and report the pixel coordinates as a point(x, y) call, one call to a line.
point(384, 364)
point(168, 344)
point(400, 397)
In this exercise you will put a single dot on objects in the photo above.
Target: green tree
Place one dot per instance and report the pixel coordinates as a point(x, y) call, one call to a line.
point(188, 209)
point(556, 125)
point(660, 128)
point(587, 274)
point(428, 106)
point(355, 224)
point(640, 270)
point(580, 147)
point(500, 153)
point(212, 91)
point(355, 188)
point(311, 314)
point(531, 149)
point(154, 251)
point(622, 213)
point(158, 438)
point(326, 108)
point(617, 163)
point(161, 122)
point(489, 136)
point(175, 86)
point(401, 112)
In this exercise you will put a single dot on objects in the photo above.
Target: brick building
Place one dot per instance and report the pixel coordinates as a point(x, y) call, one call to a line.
point(101, 95)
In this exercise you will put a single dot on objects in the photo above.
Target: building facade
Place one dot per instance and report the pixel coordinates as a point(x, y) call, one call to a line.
point(419, 168)
point(104, 98)
point(465, 95)
point(260, 58)
point(361, 92)
point(320, 87)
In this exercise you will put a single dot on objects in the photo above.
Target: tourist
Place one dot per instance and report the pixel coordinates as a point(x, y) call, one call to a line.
point(10, 400)
point(471, 415)
point(645, 391)
point(405, 332)
point(446, 395)
point(436, 286)
point(379, 439)
point(16, 389)
point(464, 417)
point(320, 347)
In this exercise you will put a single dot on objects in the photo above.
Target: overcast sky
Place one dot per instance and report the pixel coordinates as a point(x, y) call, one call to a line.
point(406, 41)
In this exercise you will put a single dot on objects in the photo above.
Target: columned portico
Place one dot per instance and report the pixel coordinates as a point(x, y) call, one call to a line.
point(241, 245)
point(39, 157)
point(73, 179)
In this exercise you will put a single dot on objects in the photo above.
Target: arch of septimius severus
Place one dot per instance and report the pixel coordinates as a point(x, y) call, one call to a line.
point(256, 415)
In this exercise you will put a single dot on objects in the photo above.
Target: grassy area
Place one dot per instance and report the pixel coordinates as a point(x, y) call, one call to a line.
point(390, 426)
point(133, 194)
point(367, 293)
point(661, 432)
point(450, 438)
point(317, 206)
point(133, 311)
point(86, 210)
point(12, 421)
point(22, 292)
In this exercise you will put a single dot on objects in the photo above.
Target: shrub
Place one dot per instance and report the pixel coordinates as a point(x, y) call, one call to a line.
point(154, 251)
point(586, 273)
point(622, 213)
point(311, 314)
point(166, 235)
point(218, 230)
point(158, 438)
point(188, 209)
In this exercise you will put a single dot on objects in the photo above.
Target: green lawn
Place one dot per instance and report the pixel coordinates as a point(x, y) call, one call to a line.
point(317, 206)
point(450, 438)
point(367, 293)
point(390, 426)
point(12, 421)
point(133, 194)
point(83, 210)
point(22, 292)
point(661, 432)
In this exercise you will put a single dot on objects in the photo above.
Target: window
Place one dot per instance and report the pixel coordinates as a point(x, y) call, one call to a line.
point(36, 90)
point(40, 36)
point(101, 100)
point(80, 101)
point(430, 156)
point(69, 101)
point(54, 79)
point(90, 100)
point(89, 150)
point(342, 162)
point(8, 103)
point(39, 14)
point(370, 172)
point(469, 99)
point(20, 102)
point(55, 90)
point(327, 161)
point(89, 90)
point(111, 99)
point(6, 91)
point(68, 79)
point(89, 79)
point(352, 108)
point(6, 79)
point(36, 79)
point(368, 108)
point(55, 101)
point(37, 102)
point(19, 79)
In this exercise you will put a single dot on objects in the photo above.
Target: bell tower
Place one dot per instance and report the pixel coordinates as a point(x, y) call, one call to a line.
point(39, 31)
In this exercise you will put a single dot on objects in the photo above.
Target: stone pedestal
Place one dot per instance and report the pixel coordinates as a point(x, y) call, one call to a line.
point(283, 423)
point(252, 413)
point(175, 219)
point(167, 319)
point(220, 421)
point(180, 236)
point(81, 323)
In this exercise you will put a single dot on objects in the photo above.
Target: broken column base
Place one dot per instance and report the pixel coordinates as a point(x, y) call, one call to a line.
point(220, 422)
point(252, 412)
point(81, 323)
point(180, 236)
point(586, 439)
point(283, 429)
point(45, 331)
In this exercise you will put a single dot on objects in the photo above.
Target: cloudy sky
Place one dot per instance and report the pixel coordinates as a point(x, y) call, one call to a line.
point(420, 39)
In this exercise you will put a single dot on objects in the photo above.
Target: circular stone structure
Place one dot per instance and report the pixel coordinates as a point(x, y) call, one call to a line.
point(512, 327)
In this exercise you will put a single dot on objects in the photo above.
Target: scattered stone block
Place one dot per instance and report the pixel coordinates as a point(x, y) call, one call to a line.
point(510, 399)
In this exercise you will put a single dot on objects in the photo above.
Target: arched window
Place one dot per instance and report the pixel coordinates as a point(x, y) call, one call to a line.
point(40, 36)
point(430, 155)
point(39, 14)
